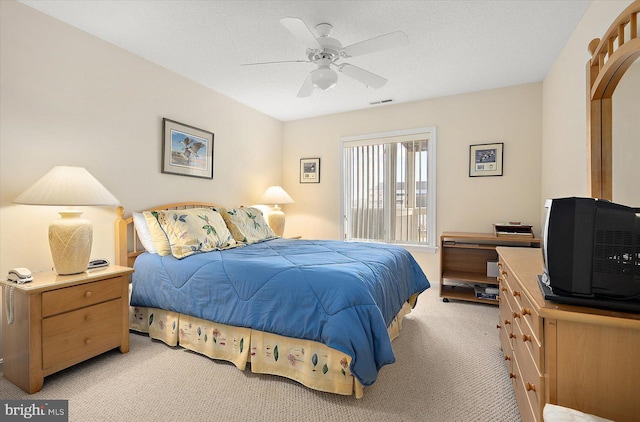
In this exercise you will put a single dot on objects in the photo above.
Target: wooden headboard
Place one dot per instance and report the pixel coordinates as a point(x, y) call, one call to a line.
point(128, 246)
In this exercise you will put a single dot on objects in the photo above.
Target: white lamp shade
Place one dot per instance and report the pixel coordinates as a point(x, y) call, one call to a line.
point(70, 237)
point(64, 185)
point(276, 195)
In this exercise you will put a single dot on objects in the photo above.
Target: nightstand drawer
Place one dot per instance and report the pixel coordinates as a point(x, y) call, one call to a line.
point(70, 298)
point(72, 337)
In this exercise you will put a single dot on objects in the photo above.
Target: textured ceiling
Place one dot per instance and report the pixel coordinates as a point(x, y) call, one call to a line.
point(454, 46)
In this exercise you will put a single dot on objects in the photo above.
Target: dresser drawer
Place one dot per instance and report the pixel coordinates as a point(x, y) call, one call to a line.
point(70, 298)
point(507, 349)
point(528, 313)
point(74, 336)
point(527, 343)
point(528, 413)
point(532, 380)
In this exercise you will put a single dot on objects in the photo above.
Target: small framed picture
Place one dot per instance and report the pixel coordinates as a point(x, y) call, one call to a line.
point(485, 159)
point(309, 170)
point(186, 150)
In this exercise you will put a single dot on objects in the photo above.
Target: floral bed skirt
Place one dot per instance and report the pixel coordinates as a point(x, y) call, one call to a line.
point(310, 363)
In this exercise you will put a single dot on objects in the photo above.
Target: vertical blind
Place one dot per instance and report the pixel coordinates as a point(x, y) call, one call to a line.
point(385, 190)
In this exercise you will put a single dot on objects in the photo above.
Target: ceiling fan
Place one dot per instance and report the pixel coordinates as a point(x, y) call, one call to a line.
point(325, 52)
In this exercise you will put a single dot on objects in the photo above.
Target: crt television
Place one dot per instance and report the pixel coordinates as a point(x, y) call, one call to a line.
point(591, 249)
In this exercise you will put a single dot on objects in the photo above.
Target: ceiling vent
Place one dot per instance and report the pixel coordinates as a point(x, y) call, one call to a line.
point(388, 100)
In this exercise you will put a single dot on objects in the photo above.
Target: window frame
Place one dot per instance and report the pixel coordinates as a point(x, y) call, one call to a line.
point(430, 134)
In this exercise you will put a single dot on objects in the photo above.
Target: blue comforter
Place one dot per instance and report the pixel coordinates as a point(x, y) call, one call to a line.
point(342, 294)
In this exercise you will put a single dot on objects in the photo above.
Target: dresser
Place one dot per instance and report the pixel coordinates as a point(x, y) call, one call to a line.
point(57, 321)
point(582, 358)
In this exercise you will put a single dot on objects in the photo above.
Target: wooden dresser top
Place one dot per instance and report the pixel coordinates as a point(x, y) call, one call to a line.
point(526, 264)
point(49, 280)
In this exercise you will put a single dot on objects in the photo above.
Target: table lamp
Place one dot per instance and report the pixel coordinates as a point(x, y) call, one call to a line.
point(70, 237)
point(275, 195)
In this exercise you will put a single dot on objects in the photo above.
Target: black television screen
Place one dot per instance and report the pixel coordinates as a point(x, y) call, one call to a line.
point(591, 249)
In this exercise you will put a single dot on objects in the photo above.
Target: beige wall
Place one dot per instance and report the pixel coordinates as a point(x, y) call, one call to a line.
point(68, 98)
point(564, 134)
point(511, 115)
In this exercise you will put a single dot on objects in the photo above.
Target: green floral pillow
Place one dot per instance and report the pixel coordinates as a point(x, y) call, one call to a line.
point(194, 230)
point(158, 235)
point(247, 225)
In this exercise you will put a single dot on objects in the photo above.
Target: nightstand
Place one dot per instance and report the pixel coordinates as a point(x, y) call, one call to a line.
point(59, 321)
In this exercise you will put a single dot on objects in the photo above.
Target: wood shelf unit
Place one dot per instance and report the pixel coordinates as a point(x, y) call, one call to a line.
point(463, 262)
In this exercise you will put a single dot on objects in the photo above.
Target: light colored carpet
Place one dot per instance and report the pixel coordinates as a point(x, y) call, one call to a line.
point(449, 367)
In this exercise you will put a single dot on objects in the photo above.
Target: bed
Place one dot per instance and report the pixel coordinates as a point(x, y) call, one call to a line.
point(217, 281)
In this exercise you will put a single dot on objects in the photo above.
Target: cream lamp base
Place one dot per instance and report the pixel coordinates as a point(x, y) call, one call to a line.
point(276, 221)
point(70, 240)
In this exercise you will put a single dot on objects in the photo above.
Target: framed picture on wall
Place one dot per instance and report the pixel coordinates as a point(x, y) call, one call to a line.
point(485, 159)
point(309, 170)
point(186, 150)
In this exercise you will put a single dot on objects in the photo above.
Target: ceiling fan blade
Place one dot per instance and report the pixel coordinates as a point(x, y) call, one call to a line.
point(302, 32)
point(307, 87)
point(281, 61)
point(383, 42)
point(364, 76)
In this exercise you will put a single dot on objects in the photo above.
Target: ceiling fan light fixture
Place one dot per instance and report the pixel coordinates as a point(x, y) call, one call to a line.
point(324, 78)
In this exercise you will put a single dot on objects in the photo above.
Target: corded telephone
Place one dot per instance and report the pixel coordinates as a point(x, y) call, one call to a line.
point(20, 276)
point(8, 303)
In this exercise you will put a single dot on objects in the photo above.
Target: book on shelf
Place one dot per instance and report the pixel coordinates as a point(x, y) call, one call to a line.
point(483, 291)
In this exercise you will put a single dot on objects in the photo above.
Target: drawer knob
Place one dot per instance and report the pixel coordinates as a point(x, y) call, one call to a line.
point(503, 272)
point(516, 315)
point(88, 317)
point(504, 289)
point(530, 387)
point(511, 335)
point(526, 337)
point(87, 341)
point(498, 326)
point(88, 294)
point(507, 357)
point(507, 322)
point(516, 293)
point(512, 375)
point(526, 311)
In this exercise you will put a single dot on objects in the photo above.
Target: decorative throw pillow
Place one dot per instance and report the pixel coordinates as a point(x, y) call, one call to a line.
point(247, 225)
point(158, 236)
point(140, 223)
point(194, 230)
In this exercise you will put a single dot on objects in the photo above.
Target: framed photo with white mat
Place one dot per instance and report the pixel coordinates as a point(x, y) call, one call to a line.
point(309, 170)
point(486, 159)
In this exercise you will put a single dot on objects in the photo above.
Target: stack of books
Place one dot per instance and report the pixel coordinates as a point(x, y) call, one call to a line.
point(486, 292)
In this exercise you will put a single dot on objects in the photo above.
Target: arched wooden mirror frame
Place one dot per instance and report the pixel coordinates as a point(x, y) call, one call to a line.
point(611, 56)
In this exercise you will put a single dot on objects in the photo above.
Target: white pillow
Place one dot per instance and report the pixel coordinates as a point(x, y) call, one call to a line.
point(140, 223)
point(555, 413)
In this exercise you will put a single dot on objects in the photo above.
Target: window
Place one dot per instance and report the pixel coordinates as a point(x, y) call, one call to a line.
point(389, 187)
